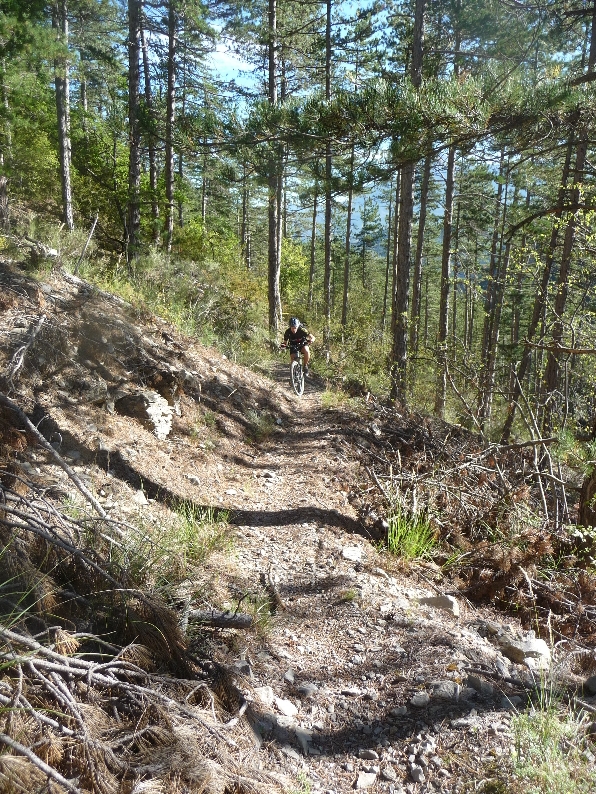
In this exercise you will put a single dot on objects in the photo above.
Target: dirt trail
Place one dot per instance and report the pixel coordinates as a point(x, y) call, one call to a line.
point(348, 680)
point(346, 648)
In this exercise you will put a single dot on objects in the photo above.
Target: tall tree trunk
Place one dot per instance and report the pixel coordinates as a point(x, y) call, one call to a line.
point(344, 308)
point(552, 373)
point(406, 211)
point(387, 259)
point(491, 364)
point(182, 114)
point(539, 303)
point(152, 154)
point(204, 186)
point(274, 298)
point(455, 280)
point(417, 279)
point(395, 250)
point(62, 83)
point(4, 151)
point(489, 302)
point(313, 246)
point(499, 266)
point(328, 173)
point(244, 228)
point(441, 384)
point(170, 121)
point(134, 133)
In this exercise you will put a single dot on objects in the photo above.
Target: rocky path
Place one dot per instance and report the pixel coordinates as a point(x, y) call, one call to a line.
point(353, 681)
point(359, 675)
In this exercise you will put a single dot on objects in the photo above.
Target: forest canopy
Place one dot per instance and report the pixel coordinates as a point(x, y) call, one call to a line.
point(414, 179)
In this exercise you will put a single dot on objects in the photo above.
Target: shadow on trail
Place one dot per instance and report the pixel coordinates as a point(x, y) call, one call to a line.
point(116, 464)
point(298, 515)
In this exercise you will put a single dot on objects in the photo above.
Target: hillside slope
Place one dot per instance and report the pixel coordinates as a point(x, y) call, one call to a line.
point(345, 678)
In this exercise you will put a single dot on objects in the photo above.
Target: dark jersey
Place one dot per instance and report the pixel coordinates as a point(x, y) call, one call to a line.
point(297, 339)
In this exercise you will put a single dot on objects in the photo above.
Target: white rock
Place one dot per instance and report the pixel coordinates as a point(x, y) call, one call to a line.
point(304, 738)
point(286, 707)
point(353, 553)
point(417, 773)
point(140, 498)
point(381, 572)
point(265, 694)
point(446, 690)
point(367, 754)
point(289, 676)
point(420, 699)
point(444, 602)
point(366, 780)
point(520, 650)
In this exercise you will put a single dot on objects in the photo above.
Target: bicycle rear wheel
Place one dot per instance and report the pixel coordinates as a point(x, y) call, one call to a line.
point(297, 377)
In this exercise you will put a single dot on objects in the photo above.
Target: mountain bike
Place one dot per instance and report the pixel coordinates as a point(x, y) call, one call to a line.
point(296, 371)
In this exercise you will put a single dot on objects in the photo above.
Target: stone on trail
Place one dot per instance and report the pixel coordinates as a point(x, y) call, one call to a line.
point(304, 738)
point(521, 650)
point(265, 694)
point(368, 755)
point(444, 602)
point(420, 699)
point(417, 773)
point(150, 408)
point(446, 690)
point(352, 553)
point(286, 707)
point(366, 780)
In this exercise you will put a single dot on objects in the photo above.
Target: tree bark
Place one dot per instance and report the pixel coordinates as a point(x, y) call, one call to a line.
point(274, 298)
point(489, 303)
point(151, 147)
point(417, 279)
point(170, 121)
point(313, 242)
point(346, 291)
point(406, 212)
point(499, 267)
point(328, 173)
point(539, 304)
point(441, 384)
point(134, 133)
point(62, 83)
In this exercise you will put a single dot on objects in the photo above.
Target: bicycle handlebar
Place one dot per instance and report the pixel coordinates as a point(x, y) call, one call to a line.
point(307, 342)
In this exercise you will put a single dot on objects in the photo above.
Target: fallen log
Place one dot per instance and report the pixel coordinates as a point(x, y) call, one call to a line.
point(222, 620)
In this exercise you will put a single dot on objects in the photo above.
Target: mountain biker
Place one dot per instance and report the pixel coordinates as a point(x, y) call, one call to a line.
point(297, 338)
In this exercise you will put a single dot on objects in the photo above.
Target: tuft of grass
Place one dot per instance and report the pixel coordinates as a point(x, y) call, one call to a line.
point(259, 606)
point(304, 785)
point(410, 534)
point(166, 555)
point(336, 398)
point(261, 425)
point(550, 754)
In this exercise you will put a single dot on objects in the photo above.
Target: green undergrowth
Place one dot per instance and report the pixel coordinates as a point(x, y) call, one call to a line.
point(410, 534)
point(551, 753)
point(159, 553)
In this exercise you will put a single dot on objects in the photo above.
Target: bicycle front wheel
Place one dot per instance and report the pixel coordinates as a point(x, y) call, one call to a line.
point(297, 377)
